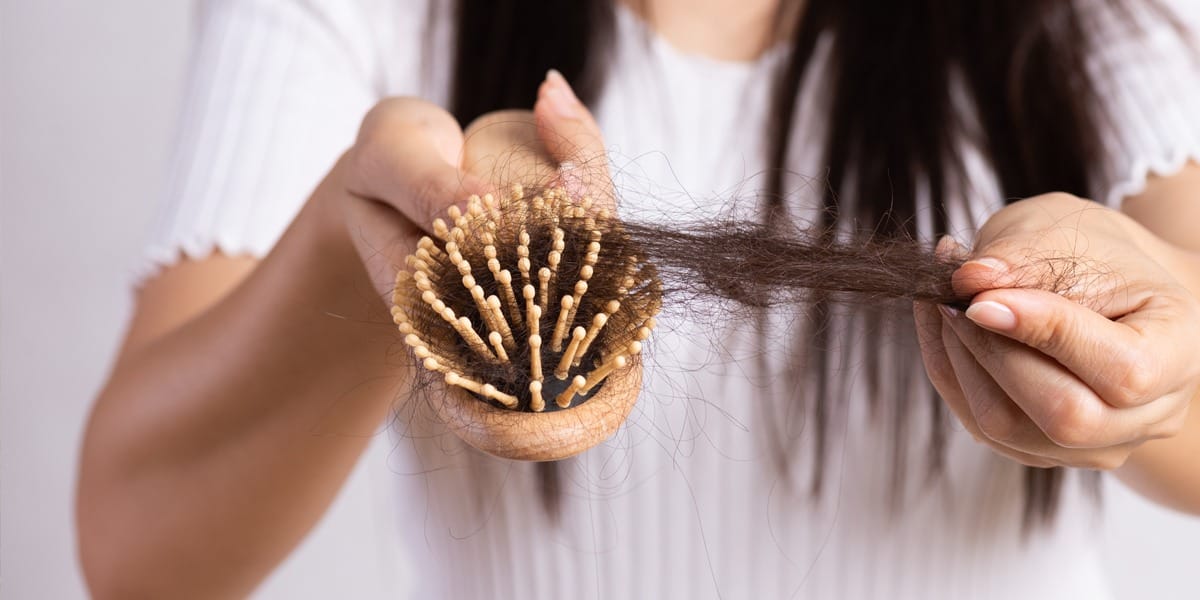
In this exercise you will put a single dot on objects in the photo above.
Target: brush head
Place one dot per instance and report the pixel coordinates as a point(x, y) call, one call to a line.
point(526, 305)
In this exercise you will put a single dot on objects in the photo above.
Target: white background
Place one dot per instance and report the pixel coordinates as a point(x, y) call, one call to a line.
point(88, 91)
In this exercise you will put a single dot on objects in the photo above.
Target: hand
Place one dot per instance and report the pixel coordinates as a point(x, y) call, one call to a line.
point(1078, 345)
point(411, 161)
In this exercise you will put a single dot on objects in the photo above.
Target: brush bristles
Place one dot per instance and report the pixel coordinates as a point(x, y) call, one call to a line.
point(555, 267)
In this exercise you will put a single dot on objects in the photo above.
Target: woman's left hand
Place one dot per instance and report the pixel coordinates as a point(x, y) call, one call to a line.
point(1079, 344)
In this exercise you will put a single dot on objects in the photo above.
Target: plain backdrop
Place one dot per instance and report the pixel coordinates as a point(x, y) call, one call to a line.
point(88, 92)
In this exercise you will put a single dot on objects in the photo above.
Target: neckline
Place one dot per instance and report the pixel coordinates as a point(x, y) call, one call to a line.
point(665, 48)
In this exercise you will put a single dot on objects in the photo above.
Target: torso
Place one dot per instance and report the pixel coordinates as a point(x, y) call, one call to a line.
point(686, 501)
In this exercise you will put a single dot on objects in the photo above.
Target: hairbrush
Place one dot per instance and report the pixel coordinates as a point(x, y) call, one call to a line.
point(529, 312)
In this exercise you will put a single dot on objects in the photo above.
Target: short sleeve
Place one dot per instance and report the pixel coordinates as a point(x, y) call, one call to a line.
point(275, 93)
point(1148, 78)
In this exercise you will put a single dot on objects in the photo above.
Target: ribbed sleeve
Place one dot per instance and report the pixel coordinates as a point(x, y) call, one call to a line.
point(1149, 80)
point(276, 91)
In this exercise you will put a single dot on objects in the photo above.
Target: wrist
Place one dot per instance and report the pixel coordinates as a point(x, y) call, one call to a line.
point(1184, 265)
point(1164, 470)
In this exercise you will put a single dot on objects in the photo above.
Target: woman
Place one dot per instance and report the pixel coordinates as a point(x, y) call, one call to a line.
point(257, 368)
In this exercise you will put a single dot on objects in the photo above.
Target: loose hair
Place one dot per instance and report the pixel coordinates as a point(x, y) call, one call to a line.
point(894, 128)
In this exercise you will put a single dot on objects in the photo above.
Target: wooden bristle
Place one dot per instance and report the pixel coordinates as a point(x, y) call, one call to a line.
point(509, 298)
point(533, 312)
point(598, 322)
point(492, 206)
point(441, 230)
point(536, 402)
point(540, 254)
point(485, 312)
point(535, 357)
point(497, 342)
point(427, 244)
point(581, 288)
point(475, 206)
point(568, 356)
point(604, 370)
point(422, 282)
point(498, 317)
point(560, 328)
point(490, 391)
point(544, 288)
point(563, 400)
point(456, 379)
point(463, 325)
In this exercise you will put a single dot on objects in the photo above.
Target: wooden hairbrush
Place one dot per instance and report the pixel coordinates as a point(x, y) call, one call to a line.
point(530, 311)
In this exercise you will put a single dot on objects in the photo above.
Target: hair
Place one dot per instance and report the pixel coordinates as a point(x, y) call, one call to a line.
point(894, 128)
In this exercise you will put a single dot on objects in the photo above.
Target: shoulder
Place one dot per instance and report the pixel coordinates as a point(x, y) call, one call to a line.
point(1144, 63)
point(275, 92)
point(385, 39)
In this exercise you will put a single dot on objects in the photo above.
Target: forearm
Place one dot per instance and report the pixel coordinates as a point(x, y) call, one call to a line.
point(1167, 470)
point(216, 446)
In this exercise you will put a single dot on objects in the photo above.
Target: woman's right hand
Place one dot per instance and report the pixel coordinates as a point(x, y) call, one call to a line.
point(411, 161)
point(247, 389)
point(403, 171)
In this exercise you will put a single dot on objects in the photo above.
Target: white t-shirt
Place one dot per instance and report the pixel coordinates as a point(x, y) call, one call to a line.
point(685, 501)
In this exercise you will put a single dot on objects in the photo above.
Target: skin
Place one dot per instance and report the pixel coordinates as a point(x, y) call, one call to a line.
point(222, 434)
point(718, 29)
point(1102, 376)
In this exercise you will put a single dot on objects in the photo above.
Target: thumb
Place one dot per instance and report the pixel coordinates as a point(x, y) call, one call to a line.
point(572, 138)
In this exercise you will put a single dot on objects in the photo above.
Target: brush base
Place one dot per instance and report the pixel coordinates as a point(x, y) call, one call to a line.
point(544, 436)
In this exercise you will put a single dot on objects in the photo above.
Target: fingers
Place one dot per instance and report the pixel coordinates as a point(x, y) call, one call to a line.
point(987, 411)
point(937, 363)
point(565, 124)
point(401, 174)
point(1111, 357)
point(573, 139)
point(1004, 420)
point(1046, 376)
point(1062, 406)
point(931, 337)
point(1054, 399)
point(407, 156)
point(1036, 242)
point(382, 237)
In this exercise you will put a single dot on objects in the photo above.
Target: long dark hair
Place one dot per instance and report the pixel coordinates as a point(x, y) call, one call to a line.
point(894, 127)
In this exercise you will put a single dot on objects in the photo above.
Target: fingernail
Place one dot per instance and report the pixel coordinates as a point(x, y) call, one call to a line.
point(562, 104)
point(992, 264)
point(944, 245)
point(992, 315)
point(556, 78)
point(948, 311)
point(562, 98)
